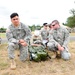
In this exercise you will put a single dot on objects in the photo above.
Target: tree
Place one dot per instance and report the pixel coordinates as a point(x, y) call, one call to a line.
point(72, 11)
point(2, 30)
point(71, 20)
point(38, 27)
point(35, 27)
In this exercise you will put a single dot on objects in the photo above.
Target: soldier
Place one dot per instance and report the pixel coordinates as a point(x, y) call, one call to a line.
point(58, 40)
point(44, 33)
point(18, 36)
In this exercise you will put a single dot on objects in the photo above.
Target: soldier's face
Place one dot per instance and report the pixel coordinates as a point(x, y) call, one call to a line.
point(45, 26)
point(54, 25)
point(15, 20)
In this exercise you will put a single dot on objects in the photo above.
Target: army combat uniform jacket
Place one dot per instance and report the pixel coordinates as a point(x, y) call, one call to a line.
point(14, 34)
point(44, 33)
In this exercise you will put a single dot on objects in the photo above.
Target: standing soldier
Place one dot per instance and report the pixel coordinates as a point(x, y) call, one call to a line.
point(18, 36)
point(44, 33)
point(58, 40)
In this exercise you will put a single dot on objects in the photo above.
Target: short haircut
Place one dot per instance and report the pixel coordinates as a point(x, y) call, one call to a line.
point(13, 15)
point(45, 24)
point(56, 21)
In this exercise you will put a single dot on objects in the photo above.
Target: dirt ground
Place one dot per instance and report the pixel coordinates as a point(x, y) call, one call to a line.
point(48, 67)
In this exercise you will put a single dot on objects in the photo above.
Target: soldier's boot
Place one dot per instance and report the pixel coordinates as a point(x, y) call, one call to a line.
point(13, 64)
point(58, 55)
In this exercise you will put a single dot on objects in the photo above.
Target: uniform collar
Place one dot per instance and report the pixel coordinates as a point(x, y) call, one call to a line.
point(19, 26)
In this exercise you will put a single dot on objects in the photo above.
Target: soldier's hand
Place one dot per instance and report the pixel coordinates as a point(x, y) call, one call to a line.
point(60, 47)
point(21, 41)
point(23, 44)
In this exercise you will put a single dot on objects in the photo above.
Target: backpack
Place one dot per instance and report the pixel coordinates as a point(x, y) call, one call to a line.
point(37, 53)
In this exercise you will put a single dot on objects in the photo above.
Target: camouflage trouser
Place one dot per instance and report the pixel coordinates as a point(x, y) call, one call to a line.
point(52, 46)
point(23, 51)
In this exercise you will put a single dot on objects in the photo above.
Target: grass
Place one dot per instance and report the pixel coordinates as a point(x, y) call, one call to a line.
point(3, 65)
point(48, 67)
point(2, 35)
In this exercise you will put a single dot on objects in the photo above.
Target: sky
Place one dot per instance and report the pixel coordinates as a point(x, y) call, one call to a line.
point(35, 11)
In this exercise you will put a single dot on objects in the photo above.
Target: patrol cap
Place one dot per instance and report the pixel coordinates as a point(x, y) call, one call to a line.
point(45, 24)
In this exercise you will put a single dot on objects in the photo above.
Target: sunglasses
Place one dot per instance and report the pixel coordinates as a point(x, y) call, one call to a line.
point(54, 24)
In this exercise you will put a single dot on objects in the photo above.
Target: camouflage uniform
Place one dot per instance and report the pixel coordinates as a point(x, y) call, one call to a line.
point(14, 34)
point(44, 34)
point(61, 36)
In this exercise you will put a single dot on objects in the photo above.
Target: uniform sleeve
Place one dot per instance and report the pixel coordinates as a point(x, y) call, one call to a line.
point(66, 38)
point(10, 37)
point(51, 39)
point(28, 34)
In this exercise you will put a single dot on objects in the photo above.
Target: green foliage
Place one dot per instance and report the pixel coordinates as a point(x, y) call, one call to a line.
point(2, 30)
point(71, 22)
point(35, 27)
point(32, 27)
point(72, 11)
